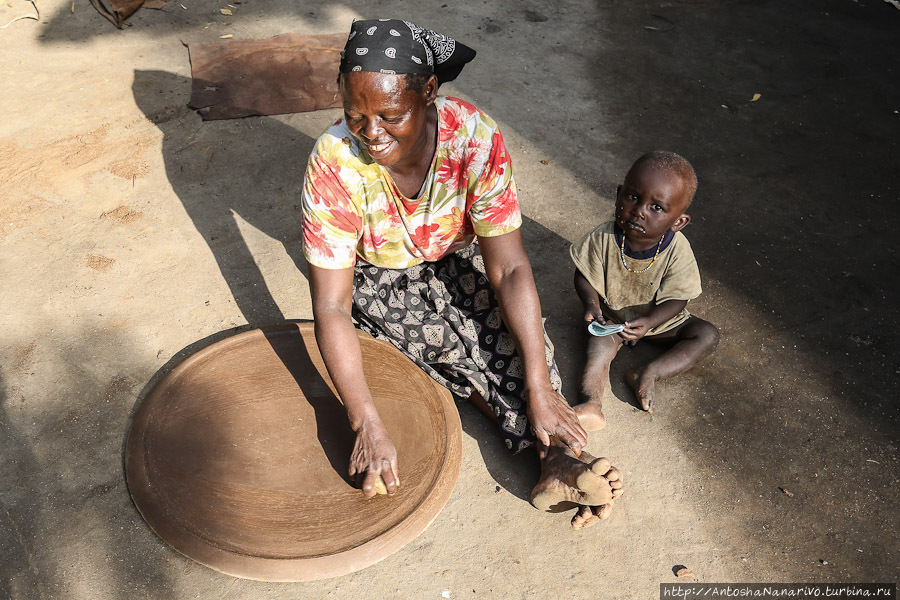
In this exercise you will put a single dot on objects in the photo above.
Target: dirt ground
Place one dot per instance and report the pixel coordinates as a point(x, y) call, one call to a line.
point(132, 233)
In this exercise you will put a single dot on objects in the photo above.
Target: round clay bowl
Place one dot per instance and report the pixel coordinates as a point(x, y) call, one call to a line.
point(238, 457)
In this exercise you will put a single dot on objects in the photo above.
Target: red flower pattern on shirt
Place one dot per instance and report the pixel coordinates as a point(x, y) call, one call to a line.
point(503, 209)
point(497, 159)
point(453, 120)
point(421, 237)
point(334, 195)
point(315, 240)
point(452, 173)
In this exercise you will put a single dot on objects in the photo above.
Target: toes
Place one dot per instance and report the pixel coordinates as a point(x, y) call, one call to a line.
point(584, 518)
point(614, 477)
point(590, 480)
point(601, 466)
point(603, 511)
point(588, 516)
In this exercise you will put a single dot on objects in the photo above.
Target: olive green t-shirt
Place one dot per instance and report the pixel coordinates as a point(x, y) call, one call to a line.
point(627, 295)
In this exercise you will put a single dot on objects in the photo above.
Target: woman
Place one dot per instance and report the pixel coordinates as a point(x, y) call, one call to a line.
point(411, 226)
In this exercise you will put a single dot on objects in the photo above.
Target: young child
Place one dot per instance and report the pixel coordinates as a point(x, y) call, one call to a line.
point(639, 270)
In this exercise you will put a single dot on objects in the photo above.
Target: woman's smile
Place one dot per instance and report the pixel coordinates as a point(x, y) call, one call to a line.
point(379, 149)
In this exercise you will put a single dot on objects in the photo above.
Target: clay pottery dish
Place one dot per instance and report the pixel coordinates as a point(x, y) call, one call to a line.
point(238, 457)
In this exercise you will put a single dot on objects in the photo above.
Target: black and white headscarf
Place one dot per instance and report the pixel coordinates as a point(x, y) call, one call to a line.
point(399, 47)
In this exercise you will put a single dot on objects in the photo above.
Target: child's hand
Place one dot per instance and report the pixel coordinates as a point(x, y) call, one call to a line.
point(635, 330)
point(593, 313)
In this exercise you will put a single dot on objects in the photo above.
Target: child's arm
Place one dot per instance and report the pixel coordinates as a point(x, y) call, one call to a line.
point(638, 328)
point(590, 299)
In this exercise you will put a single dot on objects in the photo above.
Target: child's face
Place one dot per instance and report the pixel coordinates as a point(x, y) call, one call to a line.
point(649, 203)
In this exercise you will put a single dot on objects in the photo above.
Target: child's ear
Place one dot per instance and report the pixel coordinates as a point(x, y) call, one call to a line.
point(680, 223)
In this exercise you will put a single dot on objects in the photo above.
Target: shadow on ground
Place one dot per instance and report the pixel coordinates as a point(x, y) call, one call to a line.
point(209, 166)
point(20, 504)
point(78, 513)
point(83, 23)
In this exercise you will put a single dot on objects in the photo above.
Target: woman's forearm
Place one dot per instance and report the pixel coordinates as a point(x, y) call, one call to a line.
point(332, 293)
point(521, 310)
point(511, 277)
point(338, 342)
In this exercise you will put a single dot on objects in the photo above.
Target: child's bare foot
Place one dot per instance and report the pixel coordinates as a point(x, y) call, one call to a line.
point(643, 387)
point(590, 415)
point(566, 479)
point(588, 516)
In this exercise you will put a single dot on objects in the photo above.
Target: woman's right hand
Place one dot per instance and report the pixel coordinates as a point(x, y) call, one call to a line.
point(374, 456)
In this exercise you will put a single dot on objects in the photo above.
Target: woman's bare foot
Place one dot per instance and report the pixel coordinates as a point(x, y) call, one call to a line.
point(588, 516)
point(643, 387)
point(566, 479)
point(590, 415)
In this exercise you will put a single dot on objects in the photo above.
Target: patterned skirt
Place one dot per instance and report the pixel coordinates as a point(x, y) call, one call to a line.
point(444, 316)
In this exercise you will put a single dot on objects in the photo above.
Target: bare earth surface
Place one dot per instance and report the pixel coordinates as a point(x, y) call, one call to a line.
point(131, 234)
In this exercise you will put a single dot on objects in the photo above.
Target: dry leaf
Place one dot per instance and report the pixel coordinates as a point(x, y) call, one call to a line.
point(225, 11)
point(73, 8)
point(685, 572)
point(755, 97)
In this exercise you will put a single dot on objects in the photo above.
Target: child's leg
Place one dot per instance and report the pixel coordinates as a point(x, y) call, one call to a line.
point(691, 341)
point(595, 380)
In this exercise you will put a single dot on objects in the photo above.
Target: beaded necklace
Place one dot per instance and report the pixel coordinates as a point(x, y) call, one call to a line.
point(622, 255)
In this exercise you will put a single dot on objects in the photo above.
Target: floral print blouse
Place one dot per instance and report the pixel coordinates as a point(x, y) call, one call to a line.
point(352, 208)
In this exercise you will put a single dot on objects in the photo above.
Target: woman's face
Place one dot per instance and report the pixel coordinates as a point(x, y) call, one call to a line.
point(387, 118)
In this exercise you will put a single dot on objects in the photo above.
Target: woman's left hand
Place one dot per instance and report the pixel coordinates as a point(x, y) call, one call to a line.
point(552, 417)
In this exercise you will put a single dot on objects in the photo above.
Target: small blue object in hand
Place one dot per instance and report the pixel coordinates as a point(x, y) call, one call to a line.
point(596, 328)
